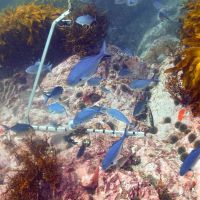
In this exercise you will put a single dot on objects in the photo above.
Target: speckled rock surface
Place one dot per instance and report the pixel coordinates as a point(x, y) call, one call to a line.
point(159, 160)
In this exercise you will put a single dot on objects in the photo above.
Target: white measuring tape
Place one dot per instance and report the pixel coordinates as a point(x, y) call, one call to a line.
point(115, 132)
point(105, 131)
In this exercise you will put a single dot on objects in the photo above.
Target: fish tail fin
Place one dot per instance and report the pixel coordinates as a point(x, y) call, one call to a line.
point(5, 127)
point(71, 125)
point(49, 67)
point(126, 131)
point(46, 97)
point(95, 18)
point(103, 50)
point(132, 124)
point(155, 78)
point(103, 110)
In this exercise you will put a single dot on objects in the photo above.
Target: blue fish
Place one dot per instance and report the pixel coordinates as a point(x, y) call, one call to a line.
point(81, 151)
point(86, 67)
point(140, 83)
point(139, 107)
point(56, 108)
point(54, 93)
point(85, 143)
point(116, 114)
point(94, 81)
point(110, 158)
point(85, 20)
point(19, 128)
point(85, 115)
point(33, 69)
point(124, 71)
point(190, 161)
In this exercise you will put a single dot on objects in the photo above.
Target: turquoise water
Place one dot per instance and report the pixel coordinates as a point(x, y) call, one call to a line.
point(127, 24)
point(131, 28)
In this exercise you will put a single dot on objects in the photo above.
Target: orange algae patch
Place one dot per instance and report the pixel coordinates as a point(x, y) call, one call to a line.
point(181, 114)
point(189, 65)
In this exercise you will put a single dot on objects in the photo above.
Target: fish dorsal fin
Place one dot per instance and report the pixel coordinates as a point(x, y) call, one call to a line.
point(103, 50)
point(87, 57)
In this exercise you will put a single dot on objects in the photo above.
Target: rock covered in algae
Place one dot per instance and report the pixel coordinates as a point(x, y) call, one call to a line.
point(24, 30)
point(115, 96)
point(37, 173)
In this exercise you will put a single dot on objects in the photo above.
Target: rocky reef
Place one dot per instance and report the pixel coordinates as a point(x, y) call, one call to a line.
point(148, 167)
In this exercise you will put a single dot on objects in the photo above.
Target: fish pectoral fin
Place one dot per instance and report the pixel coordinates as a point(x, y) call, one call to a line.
point(121, 149)
point(114, 162)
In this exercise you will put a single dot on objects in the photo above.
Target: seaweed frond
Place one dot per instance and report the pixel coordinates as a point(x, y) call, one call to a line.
point(162, 190)
point(38, 175)
point(189, 65)
point(84, 40)
point(23, 31)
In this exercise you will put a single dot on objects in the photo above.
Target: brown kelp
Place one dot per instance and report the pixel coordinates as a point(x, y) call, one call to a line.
point(39, 173)
point(189, 65)
point(84, 40)
point(23, 31)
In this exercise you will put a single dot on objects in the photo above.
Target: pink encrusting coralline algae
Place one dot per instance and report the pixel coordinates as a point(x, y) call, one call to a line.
point(147, 168)
point(154, 176)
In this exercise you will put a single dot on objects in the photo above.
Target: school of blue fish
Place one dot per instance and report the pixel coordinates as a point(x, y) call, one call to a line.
point(84, 72)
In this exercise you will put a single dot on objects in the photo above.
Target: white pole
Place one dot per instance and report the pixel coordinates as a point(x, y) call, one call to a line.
point(62, 16)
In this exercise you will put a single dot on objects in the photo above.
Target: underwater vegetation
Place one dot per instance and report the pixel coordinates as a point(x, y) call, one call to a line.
point(162, 190)
point(24, 30)
point(39, 172)
point(189, 65)
point(160, 186)
point(84, 40)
